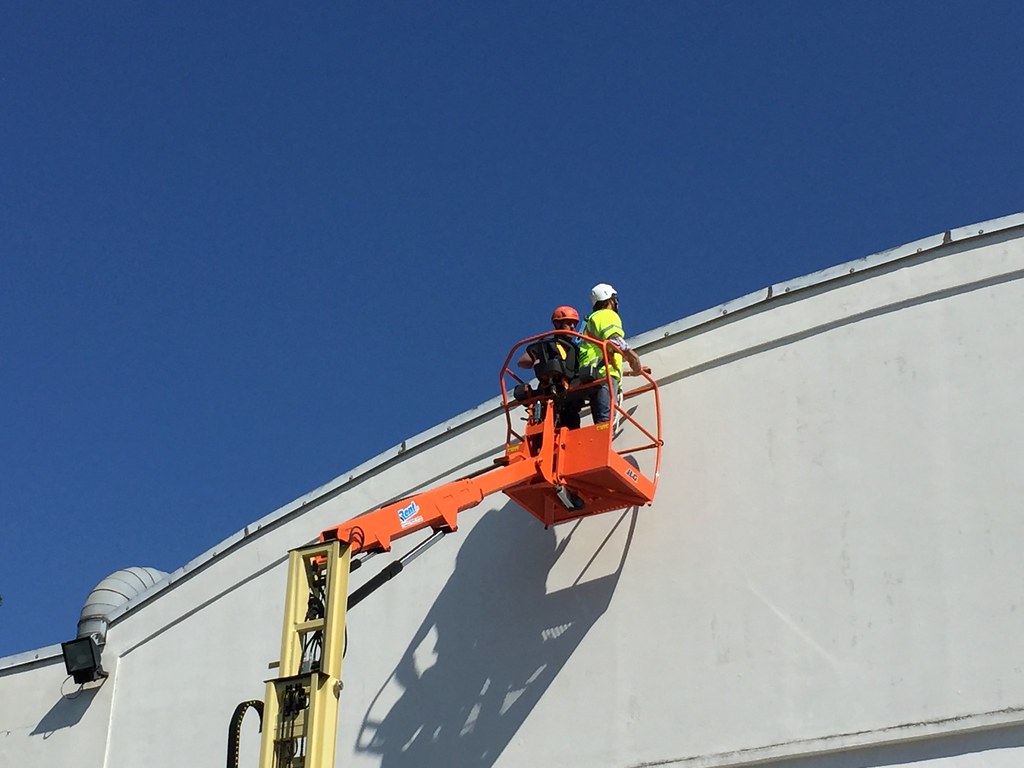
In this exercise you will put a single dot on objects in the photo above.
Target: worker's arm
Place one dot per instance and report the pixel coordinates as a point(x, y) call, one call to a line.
point(636, 367)
point(525, 360)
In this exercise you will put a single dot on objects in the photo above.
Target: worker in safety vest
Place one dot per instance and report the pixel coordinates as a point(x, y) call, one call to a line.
point(604, 324)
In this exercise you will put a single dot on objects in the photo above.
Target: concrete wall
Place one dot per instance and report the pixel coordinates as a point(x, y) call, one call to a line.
point(830, 575)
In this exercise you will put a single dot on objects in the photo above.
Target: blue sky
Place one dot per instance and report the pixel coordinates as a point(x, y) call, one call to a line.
point(245, 247)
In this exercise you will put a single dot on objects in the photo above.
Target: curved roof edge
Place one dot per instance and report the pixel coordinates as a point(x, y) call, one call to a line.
point(489, 407)
point(863, 264)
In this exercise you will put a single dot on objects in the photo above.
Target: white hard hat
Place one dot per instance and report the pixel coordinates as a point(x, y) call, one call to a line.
point(601, 292)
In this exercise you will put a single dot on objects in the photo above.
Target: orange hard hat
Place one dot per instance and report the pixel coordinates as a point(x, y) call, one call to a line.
point(565, 313)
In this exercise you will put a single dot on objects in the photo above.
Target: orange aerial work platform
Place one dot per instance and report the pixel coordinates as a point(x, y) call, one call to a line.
point(593, 465)
point(556, 472)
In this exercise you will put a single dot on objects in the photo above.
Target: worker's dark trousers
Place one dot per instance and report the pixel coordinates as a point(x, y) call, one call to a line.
point(601, 404)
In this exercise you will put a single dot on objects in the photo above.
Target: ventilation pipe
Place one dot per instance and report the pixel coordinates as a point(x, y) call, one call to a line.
point(110, 594)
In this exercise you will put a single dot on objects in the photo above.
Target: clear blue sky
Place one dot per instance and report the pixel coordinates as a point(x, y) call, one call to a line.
point(245, 247)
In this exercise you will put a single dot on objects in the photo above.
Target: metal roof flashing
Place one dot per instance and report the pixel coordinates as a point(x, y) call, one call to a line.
point(830, 274)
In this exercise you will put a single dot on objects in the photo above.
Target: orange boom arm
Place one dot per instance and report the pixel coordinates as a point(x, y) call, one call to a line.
point(437, 509)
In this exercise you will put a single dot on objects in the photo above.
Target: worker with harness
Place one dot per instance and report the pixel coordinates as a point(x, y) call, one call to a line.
point(555, 361)
point(604, 324)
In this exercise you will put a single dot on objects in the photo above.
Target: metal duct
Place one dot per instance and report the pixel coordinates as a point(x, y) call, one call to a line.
point(112, 593)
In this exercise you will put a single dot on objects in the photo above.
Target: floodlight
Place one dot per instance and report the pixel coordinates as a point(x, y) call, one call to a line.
point(82, 659)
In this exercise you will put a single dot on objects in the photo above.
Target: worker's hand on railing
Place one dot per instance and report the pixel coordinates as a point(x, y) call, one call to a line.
point(639, 371)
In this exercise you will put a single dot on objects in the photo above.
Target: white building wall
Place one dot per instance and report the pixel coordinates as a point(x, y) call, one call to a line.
point(830, 575)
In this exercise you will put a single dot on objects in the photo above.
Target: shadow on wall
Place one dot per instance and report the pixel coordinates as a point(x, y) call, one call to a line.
point(68, 711)
point(909, 753)
point(501, 639)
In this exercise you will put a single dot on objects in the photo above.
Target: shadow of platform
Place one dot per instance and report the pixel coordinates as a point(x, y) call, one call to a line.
point(501, 640)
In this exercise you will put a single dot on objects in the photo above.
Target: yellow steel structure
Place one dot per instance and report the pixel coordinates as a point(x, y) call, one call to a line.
point(300, 721)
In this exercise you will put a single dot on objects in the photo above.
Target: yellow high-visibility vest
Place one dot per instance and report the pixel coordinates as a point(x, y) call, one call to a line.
point(601, 325)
